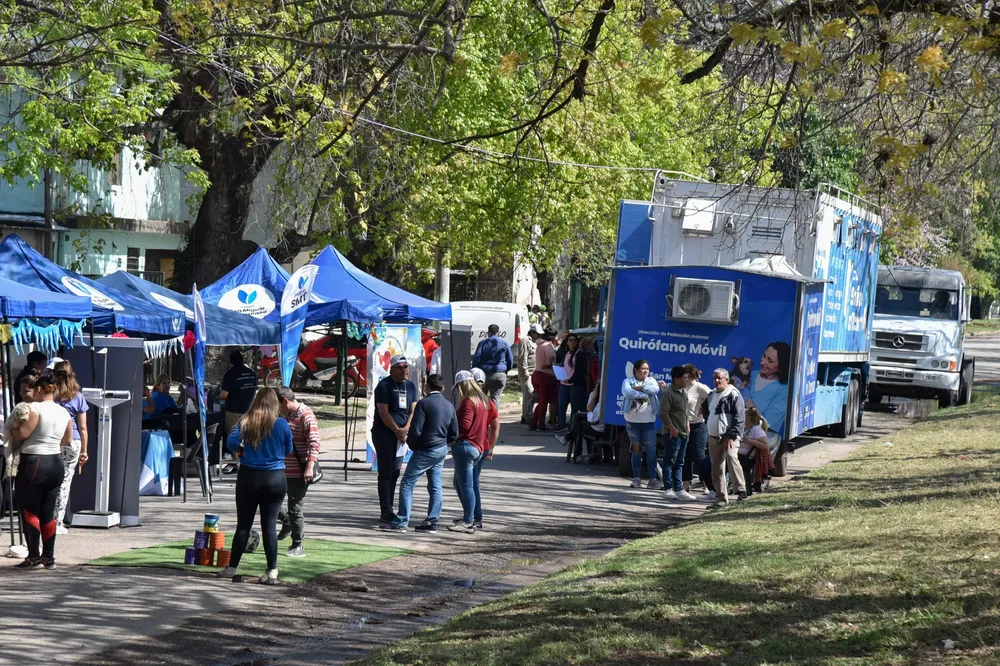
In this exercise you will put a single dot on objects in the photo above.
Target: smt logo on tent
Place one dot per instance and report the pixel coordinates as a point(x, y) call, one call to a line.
point(249, 299)
point(96, 297)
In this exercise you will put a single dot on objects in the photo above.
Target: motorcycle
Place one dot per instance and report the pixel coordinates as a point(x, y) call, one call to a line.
point(315, 368)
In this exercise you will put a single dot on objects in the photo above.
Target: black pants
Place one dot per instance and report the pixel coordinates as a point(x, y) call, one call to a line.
point(258, 488)
point(388, 474)
point(696, 461)
point(37, 486)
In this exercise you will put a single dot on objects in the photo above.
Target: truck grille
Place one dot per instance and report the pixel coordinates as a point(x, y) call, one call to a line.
point(899, 341)
point(895, 359)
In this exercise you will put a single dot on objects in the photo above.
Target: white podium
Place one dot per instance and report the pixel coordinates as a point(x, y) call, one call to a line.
point(100, 516)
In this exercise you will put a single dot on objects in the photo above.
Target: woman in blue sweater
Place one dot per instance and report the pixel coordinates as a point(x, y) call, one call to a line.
point(261, 439)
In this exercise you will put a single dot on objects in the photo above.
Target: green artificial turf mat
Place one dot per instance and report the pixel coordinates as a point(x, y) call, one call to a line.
point(322, 556)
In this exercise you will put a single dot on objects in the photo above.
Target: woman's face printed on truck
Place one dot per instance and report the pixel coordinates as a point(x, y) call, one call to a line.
point(769, 363)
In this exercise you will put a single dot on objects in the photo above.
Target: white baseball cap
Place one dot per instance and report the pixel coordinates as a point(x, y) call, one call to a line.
point(462, 376)
point(537, 328)
point(478, 375)
point(399, 359)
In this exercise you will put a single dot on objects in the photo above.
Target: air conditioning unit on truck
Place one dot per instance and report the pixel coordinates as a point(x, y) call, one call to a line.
point(727, 276)
point(918, 336)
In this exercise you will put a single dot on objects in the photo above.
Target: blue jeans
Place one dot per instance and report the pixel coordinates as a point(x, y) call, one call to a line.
point(643, 434)
point(574, 397)
point(468, 463)
point(673, 462)
point(422, 462)
point(697, 455)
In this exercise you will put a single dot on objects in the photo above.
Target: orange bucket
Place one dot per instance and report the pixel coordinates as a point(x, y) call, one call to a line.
point(205, 557)
point(217, 540)
point(223, 559)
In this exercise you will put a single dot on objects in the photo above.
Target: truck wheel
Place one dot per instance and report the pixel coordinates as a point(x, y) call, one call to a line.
point(965, 388)
point(947, 399)
point(624, 455)
point(781, 462)
point(874, 397)
point(848, 414)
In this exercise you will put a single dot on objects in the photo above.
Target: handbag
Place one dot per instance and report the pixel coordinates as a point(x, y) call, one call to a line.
point(317, 470)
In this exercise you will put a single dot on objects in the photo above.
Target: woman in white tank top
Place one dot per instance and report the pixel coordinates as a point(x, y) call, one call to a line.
point(40, 473)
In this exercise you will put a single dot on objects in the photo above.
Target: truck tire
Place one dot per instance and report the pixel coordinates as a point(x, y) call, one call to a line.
point(849, 413)
point(965, 387)
point(781, 461)
point(874, 397)
point(947, 399)
point(624, 448)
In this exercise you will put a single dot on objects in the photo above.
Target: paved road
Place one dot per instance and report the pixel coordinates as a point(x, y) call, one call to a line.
point(542, 514)
point(986, 349)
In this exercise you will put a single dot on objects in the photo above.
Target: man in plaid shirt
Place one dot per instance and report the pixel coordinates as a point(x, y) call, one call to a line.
point(298, 466)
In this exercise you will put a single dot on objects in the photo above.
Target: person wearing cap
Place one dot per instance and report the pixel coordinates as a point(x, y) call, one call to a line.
point(434, 428)
point(525, 368)
point(395, 400)
point(494, 358)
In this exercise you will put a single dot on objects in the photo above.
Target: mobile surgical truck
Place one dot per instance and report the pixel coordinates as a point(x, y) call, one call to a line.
point(776, 286)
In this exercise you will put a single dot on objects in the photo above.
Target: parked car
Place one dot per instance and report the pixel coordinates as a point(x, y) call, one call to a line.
point(510, 317)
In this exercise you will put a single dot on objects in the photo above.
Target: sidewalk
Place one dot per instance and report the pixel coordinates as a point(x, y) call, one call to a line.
point(542, 514)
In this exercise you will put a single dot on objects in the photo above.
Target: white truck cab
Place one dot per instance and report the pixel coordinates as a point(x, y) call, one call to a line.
point(918, 335)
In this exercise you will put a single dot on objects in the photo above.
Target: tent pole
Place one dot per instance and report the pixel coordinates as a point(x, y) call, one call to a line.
point(341, 364)
point(451, 349)
point(184, 441)
point(5, 374)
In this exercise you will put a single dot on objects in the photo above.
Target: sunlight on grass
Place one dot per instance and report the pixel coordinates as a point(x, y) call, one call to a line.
point(877, 559)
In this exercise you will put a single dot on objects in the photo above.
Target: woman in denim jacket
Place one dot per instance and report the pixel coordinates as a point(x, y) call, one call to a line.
point(641, 405)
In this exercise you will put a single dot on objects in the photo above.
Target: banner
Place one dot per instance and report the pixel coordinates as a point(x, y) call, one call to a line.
point(198, 353)
point(395, 339)
point(294, 300)
point(755, 350)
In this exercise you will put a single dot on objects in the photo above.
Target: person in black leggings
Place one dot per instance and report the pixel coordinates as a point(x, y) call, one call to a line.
point(262, 440)
point(40, 473)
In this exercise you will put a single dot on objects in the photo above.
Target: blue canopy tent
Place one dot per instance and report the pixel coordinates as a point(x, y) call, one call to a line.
point(255, 287)
point(225, 327)
point(338, 275)
point(18, 301)
point(112, 310)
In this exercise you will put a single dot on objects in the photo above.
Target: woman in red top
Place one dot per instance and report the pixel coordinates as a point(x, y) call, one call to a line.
point(478, 428)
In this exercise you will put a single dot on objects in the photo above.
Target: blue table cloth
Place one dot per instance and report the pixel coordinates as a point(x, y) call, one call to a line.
point(157, 450)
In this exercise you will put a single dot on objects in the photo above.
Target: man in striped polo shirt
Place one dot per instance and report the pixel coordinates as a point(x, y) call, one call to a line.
point(298, 466)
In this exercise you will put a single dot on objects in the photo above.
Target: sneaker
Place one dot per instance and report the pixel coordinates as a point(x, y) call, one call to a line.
point(561, 439)
point(228, 572)
point(532, 428)
point(741, 497)
point(562, 428)
point(29, 563)
point(636, 483)
point(427, 527)
point(230, 468)
point(296, 551)
point(269, 578)
point(464, 528)
point(61, 529)
point(669, 494)
point(385, 526)
point(655, 484)
point(708, 498)
point(393, 527)
point(706, 491)
point(49, 563)
point(686, 496)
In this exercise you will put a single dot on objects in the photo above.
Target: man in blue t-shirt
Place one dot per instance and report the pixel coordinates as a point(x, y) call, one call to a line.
point(395, 399)
point(494, 358)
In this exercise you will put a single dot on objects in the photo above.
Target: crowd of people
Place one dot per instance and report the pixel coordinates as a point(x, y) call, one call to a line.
point(706, 431)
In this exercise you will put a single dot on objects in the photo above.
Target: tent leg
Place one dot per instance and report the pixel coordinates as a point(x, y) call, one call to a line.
point(203, 477)
point(9, 481)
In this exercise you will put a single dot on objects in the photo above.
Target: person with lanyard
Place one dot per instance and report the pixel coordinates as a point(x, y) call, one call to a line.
point(239, 386)
point(494, 358)
point(395, 400)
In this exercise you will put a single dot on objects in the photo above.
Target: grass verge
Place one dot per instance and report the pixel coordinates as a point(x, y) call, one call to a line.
point(322, 556)
point(889, 557)
point(983, 326)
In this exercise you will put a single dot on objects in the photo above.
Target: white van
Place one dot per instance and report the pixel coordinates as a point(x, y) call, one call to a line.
point(510, 317)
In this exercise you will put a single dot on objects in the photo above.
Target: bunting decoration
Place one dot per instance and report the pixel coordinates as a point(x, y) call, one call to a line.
point(47, 337)
point(163, 348)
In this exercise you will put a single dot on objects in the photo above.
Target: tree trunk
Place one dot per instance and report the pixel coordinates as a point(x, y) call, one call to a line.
point(216, 245)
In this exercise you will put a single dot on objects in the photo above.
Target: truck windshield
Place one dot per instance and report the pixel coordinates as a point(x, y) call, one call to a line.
point(916, 302)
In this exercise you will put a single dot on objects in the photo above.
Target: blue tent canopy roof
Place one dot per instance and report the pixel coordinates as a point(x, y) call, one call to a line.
point(224, 327)
point(112, 310)
point(255, 287)
point(18, 301)
point(338, 275)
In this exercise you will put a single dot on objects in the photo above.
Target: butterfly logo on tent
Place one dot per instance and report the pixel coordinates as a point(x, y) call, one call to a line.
point(248, 297)
point(302, 281)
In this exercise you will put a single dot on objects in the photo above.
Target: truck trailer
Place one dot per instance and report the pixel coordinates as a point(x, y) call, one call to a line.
point(774, 285)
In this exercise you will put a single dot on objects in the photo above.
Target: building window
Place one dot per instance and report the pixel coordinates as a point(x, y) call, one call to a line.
point(133, 259)
point(115, 172)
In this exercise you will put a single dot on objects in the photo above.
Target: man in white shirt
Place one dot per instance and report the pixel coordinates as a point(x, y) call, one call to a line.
point(726, 420)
